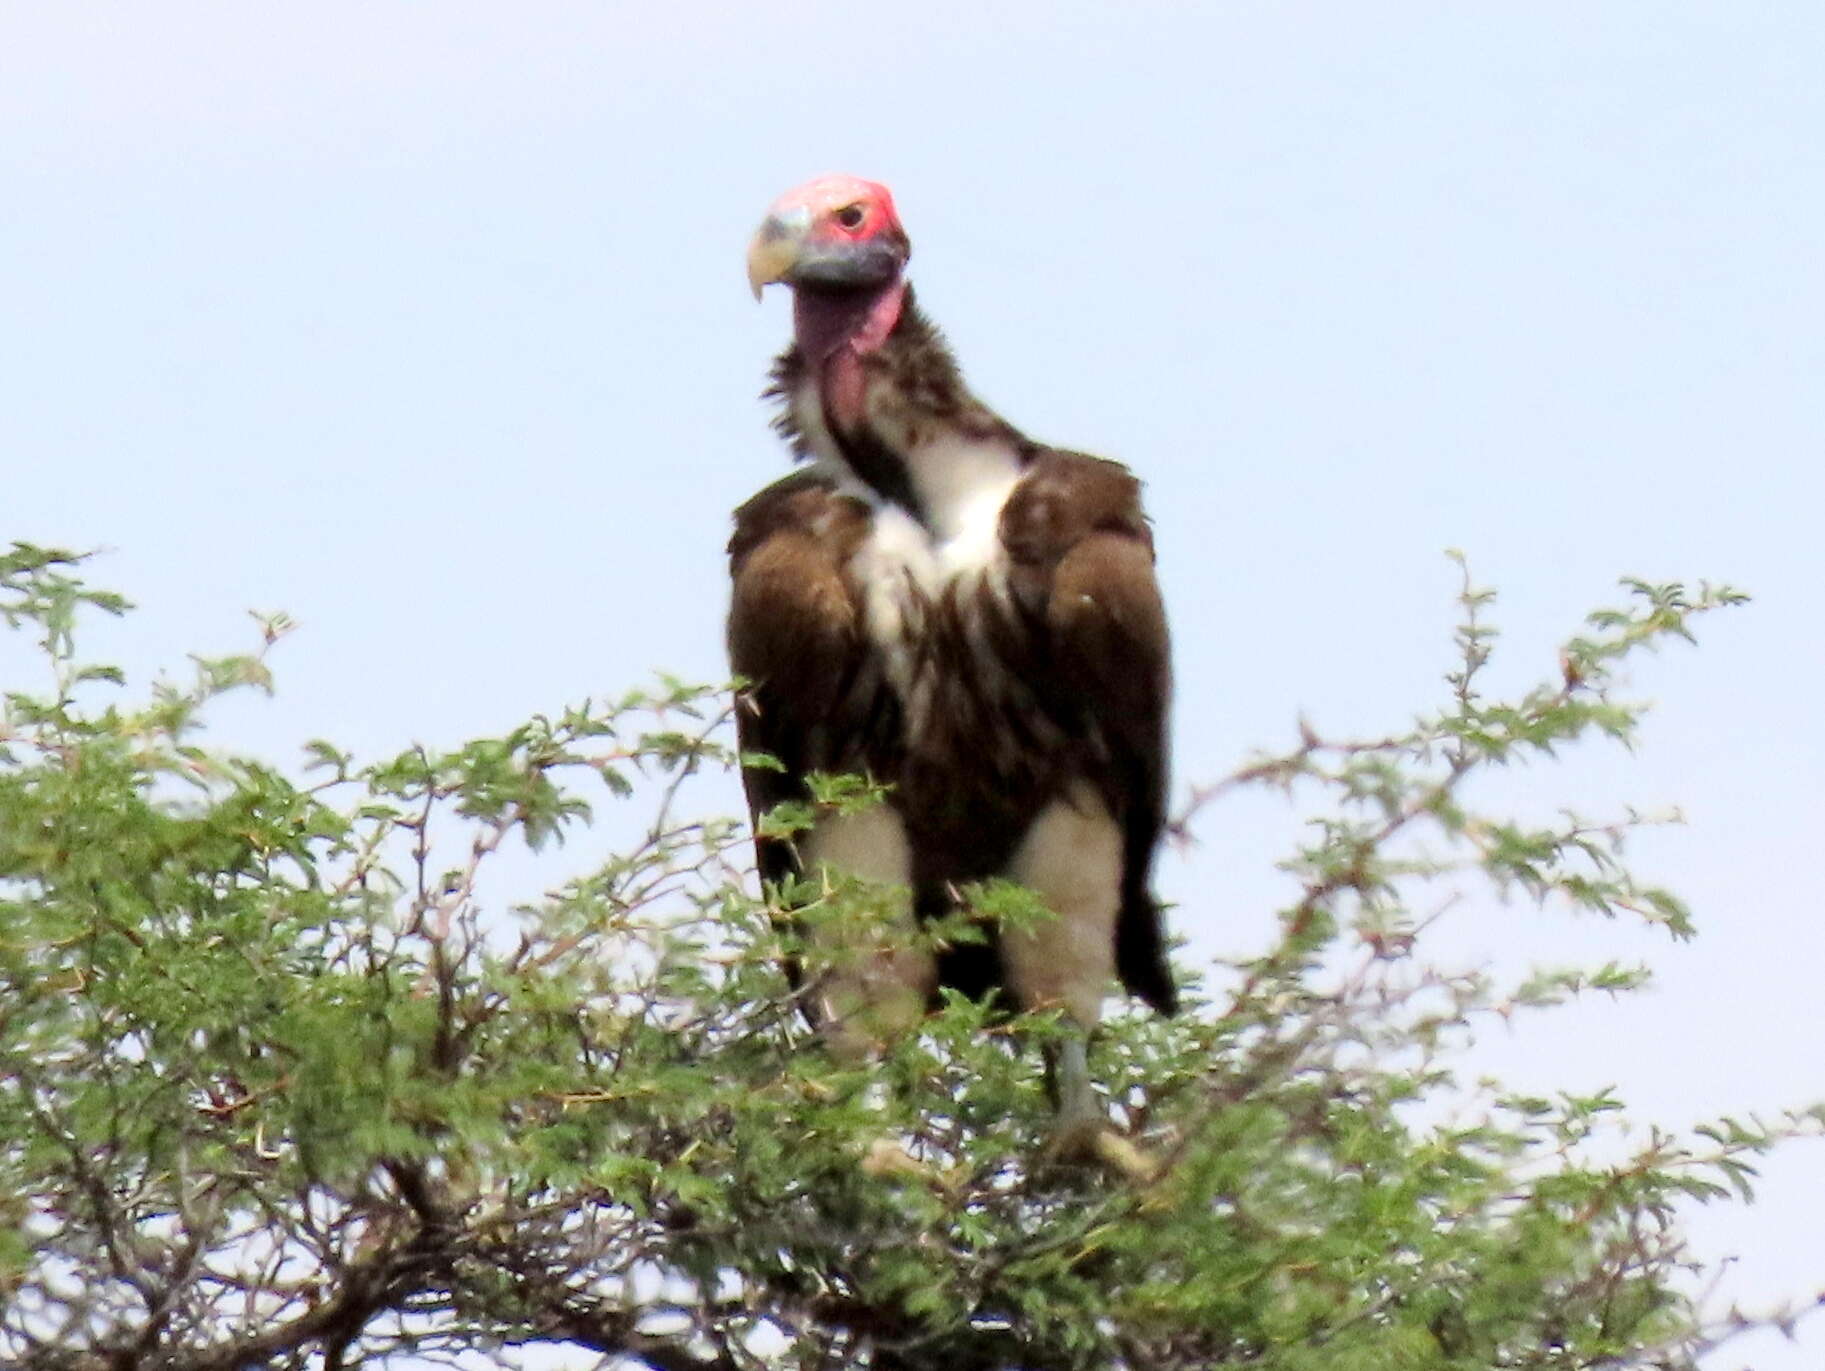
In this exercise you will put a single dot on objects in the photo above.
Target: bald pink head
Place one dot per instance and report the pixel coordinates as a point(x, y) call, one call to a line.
point(843, 206)
point(838, 243)
point(835, 232)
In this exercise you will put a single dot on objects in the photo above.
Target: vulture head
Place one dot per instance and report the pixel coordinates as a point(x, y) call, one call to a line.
point(838, 243)
point(837, 233)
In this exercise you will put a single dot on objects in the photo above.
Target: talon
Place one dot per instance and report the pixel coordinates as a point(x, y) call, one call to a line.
point(1118, 1154)
point(1096, 1142)
point(886, 1159)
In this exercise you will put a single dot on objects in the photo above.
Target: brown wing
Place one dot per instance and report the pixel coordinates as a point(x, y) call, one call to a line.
point(795, 636)
point(1081, 568)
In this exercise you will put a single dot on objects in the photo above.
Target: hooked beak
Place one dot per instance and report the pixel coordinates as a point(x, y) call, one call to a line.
point(776, 247)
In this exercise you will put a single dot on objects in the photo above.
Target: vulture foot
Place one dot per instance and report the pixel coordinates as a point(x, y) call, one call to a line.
point(1083, 1133)
point(1097, 1142)
point(885, 1159)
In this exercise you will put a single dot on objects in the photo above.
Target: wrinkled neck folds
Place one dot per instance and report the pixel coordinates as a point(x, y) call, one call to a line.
point(826, 322)
point(835, 330)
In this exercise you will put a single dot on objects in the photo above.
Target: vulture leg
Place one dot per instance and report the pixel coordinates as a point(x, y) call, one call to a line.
point(1079, 1111)
point(876, 987)
point(1081, 1130)
point(1071, 858)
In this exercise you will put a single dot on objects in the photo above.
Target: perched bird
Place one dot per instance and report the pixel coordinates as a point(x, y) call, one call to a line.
point(969, 617)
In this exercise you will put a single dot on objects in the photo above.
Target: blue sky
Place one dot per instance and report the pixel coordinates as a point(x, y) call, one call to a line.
point(427, 325)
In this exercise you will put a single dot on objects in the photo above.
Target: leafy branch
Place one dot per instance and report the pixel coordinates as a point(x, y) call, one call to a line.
point(286, 1078)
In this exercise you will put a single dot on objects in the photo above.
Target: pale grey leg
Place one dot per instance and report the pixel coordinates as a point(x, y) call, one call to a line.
point(1082, 1130)
point(1068, 1077)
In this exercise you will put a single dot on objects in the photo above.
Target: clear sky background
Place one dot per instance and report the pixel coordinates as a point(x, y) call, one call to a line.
point(426, 323)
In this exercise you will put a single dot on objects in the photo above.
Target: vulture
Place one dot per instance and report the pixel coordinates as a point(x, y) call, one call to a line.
point(968, 618)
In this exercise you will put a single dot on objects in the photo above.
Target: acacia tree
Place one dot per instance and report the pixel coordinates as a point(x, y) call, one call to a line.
point(277, 1090)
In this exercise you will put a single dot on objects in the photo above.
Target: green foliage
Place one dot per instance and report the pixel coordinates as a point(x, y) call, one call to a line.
point(276, 1089)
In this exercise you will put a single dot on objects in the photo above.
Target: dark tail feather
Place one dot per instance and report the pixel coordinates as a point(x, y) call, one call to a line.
point(1140, 953)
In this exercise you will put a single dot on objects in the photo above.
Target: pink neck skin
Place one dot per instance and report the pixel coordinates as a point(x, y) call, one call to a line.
point(834, 332)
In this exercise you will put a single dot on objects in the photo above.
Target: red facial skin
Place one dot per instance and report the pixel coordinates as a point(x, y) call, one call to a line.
point(824, 198)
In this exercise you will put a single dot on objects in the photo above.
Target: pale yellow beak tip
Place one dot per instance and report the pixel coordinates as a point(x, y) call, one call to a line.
point(773, 253)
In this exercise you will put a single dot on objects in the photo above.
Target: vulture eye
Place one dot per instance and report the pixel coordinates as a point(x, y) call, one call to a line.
point(851, 216)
